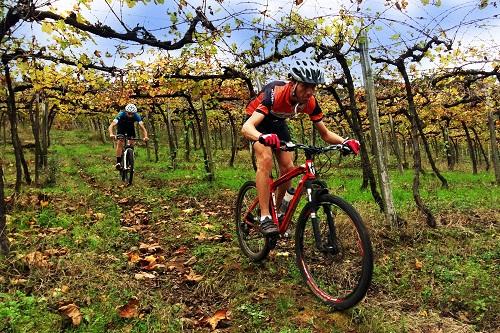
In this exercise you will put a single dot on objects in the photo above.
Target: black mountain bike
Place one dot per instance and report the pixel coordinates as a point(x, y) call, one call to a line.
point(127, 164)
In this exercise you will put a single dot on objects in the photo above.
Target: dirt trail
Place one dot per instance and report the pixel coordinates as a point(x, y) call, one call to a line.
point(166, 266)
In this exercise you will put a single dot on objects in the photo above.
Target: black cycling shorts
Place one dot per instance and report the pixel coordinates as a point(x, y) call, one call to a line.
point(277, 126)
point(128, 130)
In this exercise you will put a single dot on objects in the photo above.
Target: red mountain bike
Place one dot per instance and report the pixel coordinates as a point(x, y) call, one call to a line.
point(332, 246)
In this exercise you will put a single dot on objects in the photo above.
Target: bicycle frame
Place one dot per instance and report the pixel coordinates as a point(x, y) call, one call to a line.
point(309, 174)
point(126, 145)
point(307, 170)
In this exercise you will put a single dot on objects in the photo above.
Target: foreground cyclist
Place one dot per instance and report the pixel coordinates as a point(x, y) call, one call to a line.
point(125, 121)
point(266, 126)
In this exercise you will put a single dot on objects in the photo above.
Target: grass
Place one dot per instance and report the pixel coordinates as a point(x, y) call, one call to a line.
point(425, 279)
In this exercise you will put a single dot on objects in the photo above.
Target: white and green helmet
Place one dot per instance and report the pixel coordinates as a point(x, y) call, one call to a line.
point(307, 71)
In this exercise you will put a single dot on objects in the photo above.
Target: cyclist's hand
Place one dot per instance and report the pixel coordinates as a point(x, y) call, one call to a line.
point(112, 136)
point(145, 139)
point(270, 140)
point(350, 146)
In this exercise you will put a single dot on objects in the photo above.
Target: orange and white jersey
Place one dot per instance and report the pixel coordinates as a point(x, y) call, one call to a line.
point(274, 101)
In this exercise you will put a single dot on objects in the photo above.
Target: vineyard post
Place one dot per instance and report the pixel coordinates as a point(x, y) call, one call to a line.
point(383, 172)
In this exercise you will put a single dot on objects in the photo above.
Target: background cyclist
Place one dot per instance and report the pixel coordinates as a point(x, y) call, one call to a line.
point(266, 125)
point(125, 121)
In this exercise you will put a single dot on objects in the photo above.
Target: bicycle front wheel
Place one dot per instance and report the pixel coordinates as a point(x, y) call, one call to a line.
point(247, 213)
point(129, 169)
point(338, 269)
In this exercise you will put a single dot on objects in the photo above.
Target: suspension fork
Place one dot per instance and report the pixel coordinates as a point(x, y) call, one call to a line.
point(314, 219)
point(313, 198)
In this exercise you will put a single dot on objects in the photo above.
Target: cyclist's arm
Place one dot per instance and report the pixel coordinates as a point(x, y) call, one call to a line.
point(144, 131)
point(111, 126)
point(328, 135)
point(249, 129)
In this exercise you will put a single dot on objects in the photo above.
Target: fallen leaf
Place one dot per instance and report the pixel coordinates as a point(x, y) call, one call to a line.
point(150, 248)
point(44, 203)
point(181, 250)
point(129, 310)
point(144, 275)
point(72, 311)
point(133, 257)
point(193, 277)
point(418, 264)
point(188, 210)
point(16, 282)
point(202, 236)
point(55, 252)
point(37, 259)
point(191, 261)
point(216, 318)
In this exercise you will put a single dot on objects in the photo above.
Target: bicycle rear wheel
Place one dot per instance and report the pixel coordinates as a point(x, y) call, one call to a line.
point(340, 271)
point(252, 242)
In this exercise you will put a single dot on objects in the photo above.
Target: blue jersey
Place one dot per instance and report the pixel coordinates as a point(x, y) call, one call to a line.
point(122, 117)
point(126, 123)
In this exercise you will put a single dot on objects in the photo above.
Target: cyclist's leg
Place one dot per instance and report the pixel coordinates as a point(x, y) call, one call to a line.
point(118, 152)
point(285, 158)
point(285, 162)
point(264, 157)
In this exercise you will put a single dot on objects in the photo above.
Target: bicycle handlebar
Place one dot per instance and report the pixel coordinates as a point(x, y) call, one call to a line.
point(290, 146)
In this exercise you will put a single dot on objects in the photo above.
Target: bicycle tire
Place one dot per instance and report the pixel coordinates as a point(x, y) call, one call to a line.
point(123, 173)
point(252, 242)
point(340, 277)
point(129, 172)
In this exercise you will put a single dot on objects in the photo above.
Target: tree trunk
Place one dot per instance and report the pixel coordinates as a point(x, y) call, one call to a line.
point(35, 127)
point(494, 145)
point(395, 144)
point(431, 221)
point(195, 137)
point(418, 122)
point(355, 124)
point(51, 117)
point(154, 135)
point(45, 133)
point(234, 138)
point(102, 137)
point(472, 152)
point(481, 149)
point(187, 146)
point(201, 137)
point(174, 132)
point(209, 163)
point(450, 154)
point(171, 144)
point(3, 121)
point(16, 142)
point(4, 240)
point(405, 147)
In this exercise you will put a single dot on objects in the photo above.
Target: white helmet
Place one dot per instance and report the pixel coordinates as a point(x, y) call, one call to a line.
point(131, 108)
point(307, 72)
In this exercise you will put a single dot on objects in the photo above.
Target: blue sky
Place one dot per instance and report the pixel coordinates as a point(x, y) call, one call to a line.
point(155, 19)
